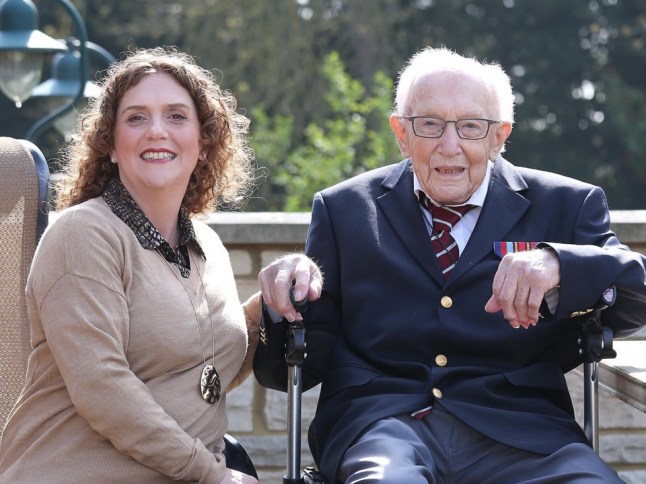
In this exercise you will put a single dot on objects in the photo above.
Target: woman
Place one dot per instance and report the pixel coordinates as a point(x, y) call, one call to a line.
point(137, 327)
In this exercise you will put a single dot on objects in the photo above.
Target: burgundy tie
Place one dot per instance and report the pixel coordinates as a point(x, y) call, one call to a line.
point(444, 219)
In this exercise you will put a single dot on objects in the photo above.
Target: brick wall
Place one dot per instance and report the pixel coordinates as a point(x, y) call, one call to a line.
point(258, 417)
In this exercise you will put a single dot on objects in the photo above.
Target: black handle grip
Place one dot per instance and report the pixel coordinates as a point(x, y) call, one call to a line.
point(300, 306)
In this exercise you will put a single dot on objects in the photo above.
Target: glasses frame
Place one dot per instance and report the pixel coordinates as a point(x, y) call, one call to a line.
point(446, 122)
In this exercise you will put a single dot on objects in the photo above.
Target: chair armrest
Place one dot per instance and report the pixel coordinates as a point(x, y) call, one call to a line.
point(237, 457)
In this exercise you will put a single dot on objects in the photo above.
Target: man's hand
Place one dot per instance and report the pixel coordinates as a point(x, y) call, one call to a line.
point(520, 284)
point(276, 280)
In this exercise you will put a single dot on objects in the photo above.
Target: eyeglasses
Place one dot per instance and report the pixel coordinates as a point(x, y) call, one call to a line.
point(430, 127)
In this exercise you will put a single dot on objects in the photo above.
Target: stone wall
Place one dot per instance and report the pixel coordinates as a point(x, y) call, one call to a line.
point(258, 417)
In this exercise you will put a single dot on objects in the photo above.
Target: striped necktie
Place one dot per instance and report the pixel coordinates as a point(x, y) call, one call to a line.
point(444, 219)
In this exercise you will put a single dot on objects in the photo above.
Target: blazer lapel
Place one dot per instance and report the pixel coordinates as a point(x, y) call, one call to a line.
point(402, 211)
point(503, 208)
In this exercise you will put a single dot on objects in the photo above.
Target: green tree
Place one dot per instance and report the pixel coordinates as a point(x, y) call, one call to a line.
point(577, 68)
point(355, 137)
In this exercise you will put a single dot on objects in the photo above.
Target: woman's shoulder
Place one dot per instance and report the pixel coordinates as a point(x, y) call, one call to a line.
point(81, 241)
point(82, 228)
point(208, 239)
point(93, 212)
point(204, 233)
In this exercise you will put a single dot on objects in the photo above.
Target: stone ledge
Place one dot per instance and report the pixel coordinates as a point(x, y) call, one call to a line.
point(291, 227)
point(629, 225)
point(261, 227)
point(630, 477)
point(625, 376)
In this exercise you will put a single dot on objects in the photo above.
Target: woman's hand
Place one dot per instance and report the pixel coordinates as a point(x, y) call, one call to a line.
point(237, 477)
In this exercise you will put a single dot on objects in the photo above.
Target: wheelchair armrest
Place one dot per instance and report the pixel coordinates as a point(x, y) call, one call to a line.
point(237, 457)
point(595, 342)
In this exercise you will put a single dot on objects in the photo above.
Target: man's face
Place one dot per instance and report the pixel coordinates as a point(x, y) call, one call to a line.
point(449, 168)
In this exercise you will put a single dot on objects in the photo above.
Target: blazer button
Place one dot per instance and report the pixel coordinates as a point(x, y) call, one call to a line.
point(446, 302)
point(437, 393)
point(441, 360)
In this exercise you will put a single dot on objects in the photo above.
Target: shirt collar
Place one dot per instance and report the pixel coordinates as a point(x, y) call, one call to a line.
point(477, 198)
point(124, 206)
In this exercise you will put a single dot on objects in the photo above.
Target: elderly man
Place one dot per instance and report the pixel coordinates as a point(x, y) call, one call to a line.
point(450, 282)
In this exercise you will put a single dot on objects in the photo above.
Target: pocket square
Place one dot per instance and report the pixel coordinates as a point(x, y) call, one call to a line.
point(502, 248)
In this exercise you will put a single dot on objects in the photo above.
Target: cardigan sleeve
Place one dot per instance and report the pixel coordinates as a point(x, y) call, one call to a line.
point(252, 310)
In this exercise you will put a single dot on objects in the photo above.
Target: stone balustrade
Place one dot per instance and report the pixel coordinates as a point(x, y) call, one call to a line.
point(258, 417)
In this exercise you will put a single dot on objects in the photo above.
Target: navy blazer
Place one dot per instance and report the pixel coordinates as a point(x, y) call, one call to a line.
point(386, 300)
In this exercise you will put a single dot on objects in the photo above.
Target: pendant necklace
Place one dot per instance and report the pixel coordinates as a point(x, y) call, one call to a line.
point(209, 386)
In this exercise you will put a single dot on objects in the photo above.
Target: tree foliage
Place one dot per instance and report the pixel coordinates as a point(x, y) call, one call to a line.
point(354, 138)
point(313, 76)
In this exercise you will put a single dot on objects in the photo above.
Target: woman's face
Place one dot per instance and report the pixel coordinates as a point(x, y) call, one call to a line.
point(156, 138)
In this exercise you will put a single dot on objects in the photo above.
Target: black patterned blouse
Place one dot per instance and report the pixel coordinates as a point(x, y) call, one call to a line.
point(124, 206)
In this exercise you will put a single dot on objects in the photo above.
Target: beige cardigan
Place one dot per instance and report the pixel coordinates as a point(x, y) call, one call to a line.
point(112, 382)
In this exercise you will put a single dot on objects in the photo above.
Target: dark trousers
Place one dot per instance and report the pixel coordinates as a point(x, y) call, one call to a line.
point(441, 449)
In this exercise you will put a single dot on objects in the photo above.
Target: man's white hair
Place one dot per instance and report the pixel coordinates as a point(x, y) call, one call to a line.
point(441, 59)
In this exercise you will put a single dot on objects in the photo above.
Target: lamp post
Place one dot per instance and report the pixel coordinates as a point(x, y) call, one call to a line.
point(22, 47)
point(64, 86)
point(20, 40)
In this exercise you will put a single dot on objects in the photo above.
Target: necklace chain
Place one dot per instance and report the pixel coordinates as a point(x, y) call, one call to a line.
point(210, 387)
point(208, 307)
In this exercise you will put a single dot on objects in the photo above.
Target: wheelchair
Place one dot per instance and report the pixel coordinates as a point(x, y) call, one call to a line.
point(594, 344)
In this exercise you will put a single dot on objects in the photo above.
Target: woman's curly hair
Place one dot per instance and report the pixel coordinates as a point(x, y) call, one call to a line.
point(222, 178)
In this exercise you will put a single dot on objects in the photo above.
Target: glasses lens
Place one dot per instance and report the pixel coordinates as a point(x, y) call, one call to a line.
point(472, 128)
point(428, 127)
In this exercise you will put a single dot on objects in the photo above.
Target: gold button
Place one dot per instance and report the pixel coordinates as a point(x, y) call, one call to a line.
point(446, 302)
point(437, 393)
point(441, 360)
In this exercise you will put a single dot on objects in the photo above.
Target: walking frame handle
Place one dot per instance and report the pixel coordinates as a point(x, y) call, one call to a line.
point(595, 344)
point(294, 357)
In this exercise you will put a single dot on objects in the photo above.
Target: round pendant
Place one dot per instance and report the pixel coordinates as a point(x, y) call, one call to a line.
point(210, 385)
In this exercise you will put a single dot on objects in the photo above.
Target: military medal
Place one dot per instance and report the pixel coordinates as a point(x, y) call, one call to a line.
point(503, 248)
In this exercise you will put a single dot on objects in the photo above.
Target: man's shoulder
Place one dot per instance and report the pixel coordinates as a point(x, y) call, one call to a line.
point(552, 178)
point(369, 180)
point(542, 179)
